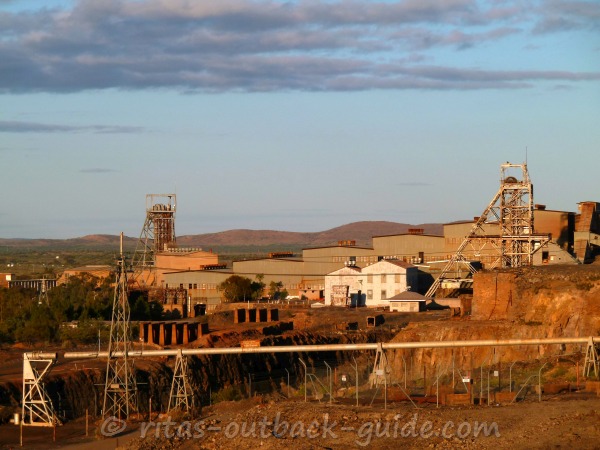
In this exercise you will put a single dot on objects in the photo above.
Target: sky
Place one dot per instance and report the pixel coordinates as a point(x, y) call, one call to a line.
point(290, 115)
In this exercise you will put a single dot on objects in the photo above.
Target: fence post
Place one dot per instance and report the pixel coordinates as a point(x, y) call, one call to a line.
point(288, 383)
point(356, 375)
point(510, 376)
point(540, 382)
point(330, 376)
point(385, 391)
point(305, 385)
point(452, 370)
point(405, 371)
point(437, 387)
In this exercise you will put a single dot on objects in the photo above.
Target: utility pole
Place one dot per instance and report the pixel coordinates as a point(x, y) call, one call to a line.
point(120, 387)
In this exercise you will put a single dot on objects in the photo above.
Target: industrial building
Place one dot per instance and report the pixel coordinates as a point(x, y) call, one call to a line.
point(307, 275)
point(187, 279)
point(5, 278)
point(503, 236)
point(99, 271)
point(408, 301)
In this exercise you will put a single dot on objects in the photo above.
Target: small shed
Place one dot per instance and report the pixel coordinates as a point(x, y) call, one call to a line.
point(408, 301)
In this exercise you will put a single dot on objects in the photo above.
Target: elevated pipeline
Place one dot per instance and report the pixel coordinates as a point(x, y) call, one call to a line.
point(330, 347)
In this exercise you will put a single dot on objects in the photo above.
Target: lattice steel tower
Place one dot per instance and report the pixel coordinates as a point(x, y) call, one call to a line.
point(158, 232)
point(120, 386)
point(511, 210)
point(515, 213)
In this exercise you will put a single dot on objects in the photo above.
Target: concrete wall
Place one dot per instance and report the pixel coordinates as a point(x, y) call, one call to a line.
point(407, 247)
point(170, 262)
point(291, 272)
point(327, 259)
point(559, 224)
point(552, 253)
point(408, 306)
point(201, 285)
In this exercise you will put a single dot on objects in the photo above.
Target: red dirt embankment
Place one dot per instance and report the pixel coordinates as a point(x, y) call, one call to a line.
point(540, 302)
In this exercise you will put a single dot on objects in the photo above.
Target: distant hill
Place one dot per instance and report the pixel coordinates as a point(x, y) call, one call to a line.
point(90, 242)
point(361, 232)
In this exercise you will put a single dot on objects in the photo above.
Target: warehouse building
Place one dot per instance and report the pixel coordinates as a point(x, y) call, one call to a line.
point(307, 275)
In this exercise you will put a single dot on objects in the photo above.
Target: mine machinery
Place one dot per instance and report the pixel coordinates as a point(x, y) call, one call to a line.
point(510, 212)
point(158, 234)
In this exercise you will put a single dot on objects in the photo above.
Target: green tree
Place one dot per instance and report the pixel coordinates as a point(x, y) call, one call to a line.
point(258, 286)
point(40, 325)
point(236, 288)
point(274, 289)
point(283, 294)
point(15, 310)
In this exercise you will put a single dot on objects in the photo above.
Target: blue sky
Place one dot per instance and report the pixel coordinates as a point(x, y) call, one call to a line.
point(300, 115)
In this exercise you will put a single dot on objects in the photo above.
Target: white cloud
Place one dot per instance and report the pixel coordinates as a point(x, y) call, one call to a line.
point(268, 45)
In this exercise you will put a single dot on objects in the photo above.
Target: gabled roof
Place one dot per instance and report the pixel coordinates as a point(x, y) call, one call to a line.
point(345, 247)
point(403, 264)
point(408, 296)
point(395, 262)
point(185, 252)
point(261, 258)
point(346, 269)
point(409, 234)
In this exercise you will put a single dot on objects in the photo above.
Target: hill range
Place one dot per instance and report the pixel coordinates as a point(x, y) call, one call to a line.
point(361, 232)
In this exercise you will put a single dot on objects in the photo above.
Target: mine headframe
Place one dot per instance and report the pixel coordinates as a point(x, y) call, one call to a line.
point(503, 233)
point(158, 233)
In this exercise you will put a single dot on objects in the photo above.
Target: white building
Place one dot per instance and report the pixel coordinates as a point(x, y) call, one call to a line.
point(372, 285)
point(408, 301)
point(386, 278)
point(340, 285)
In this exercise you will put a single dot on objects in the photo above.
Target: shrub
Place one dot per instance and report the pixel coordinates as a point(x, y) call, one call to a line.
point(227, 394)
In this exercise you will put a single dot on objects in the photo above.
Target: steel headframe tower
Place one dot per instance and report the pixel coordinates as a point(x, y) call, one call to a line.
point(512, 210)
point(120, 386)
point(158, 232)
point(515, 213)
